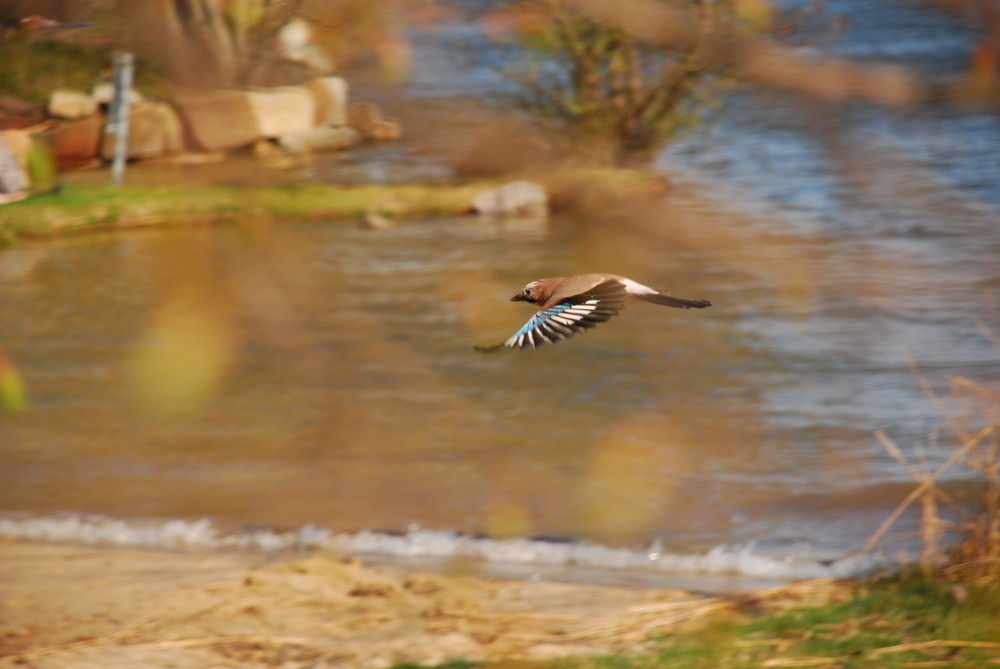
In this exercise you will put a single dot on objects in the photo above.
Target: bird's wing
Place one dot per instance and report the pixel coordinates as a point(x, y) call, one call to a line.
point(574, 314)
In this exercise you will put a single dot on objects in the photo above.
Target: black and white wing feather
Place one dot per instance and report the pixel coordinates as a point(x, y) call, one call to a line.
point(571, 316)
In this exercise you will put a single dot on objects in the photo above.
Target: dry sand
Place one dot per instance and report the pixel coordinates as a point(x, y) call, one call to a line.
point(75, 607)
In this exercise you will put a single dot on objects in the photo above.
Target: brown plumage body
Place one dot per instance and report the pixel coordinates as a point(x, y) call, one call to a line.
point(548, 292)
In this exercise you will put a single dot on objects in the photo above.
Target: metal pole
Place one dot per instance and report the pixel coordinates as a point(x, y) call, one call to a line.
point(124, 63)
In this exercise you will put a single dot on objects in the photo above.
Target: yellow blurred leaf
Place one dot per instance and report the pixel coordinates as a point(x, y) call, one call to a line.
point(395, 57)
point(12, 393)
point(183, 355)
point(508, 521)
point(466, 287)
point(632, 477)
point(758, 14)
point(244, 14)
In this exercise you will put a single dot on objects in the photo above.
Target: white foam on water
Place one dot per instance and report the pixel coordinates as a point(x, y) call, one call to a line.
point(744, 560)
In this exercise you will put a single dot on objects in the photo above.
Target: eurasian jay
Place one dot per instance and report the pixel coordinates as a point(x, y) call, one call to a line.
point(572, 304)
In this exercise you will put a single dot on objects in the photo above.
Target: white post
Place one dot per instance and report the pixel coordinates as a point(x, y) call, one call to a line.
point(118, 120)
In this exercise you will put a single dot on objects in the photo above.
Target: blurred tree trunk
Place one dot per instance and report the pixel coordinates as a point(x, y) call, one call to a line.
point(236, 42)
point(202, 23)
point(206, 42)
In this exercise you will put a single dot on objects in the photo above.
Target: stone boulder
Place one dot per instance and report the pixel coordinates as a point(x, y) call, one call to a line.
point(319, 139)
point(154, 130)
point(386, 130)
point(367, 119)
point(231, 119)
point(283, 110)
point(219, 120)
point(14, 178)
point(19, 144)
point(517, 198)
point(330, 96)
point(75, 143)
point(69, 104)
point(104, 93)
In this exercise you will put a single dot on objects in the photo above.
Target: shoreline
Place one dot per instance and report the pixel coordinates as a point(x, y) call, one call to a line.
point(84, 606)
point(82, 207)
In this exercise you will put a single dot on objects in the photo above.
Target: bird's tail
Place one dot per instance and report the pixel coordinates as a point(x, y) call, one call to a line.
point(671, 301)
point(641, 292)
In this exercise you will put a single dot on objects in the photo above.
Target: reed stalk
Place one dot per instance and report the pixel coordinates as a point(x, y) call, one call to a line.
point(972, 418)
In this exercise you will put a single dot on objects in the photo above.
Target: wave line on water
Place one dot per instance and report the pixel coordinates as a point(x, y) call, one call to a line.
point(743, 560)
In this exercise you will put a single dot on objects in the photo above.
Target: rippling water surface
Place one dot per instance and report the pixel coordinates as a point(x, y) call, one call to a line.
point(322, 374)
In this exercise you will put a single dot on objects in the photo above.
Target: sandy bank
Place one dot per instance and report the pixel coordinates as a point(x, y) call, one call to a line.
point(68, 606)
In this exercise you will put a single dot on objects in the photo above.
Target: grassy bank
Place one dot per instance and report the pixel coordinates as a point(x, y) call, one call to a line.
point(898, 623)
point(889, 624)
point(82, 208)
point(78, 209)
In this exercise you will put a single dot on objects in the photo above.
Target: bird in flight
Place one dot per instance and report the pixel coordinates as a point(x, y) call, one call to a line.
point(573, 304)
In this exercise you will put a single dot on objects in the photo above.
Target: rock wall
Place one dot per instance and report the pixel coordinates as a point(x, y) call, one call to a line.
point(313, 117)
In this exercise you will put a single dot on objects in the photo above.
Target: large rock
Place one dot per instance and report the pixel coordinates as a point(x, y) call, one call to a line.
point(319, 139)
point(76, 142)
point(14, 178)
point(283, 110)
point(517, 198)
point(68, 104)
point(19, 144)
point(330, 95)
point(104, 93)
point(386, 130)
point(154, 130)
point(220, 120)
point(232, 119)
point(367, 119)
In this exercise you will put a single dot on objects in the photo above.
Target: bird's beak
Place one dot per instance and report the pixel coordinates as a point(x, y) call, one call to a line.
point(519, 298)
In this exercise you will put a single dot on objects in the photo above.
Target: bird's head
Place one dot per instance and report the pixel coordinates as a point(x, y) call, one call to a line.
point(527, 293)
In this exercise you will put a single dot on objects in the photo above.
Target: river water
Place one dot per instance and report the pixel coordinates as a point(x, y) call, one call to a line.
point(277, 385)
